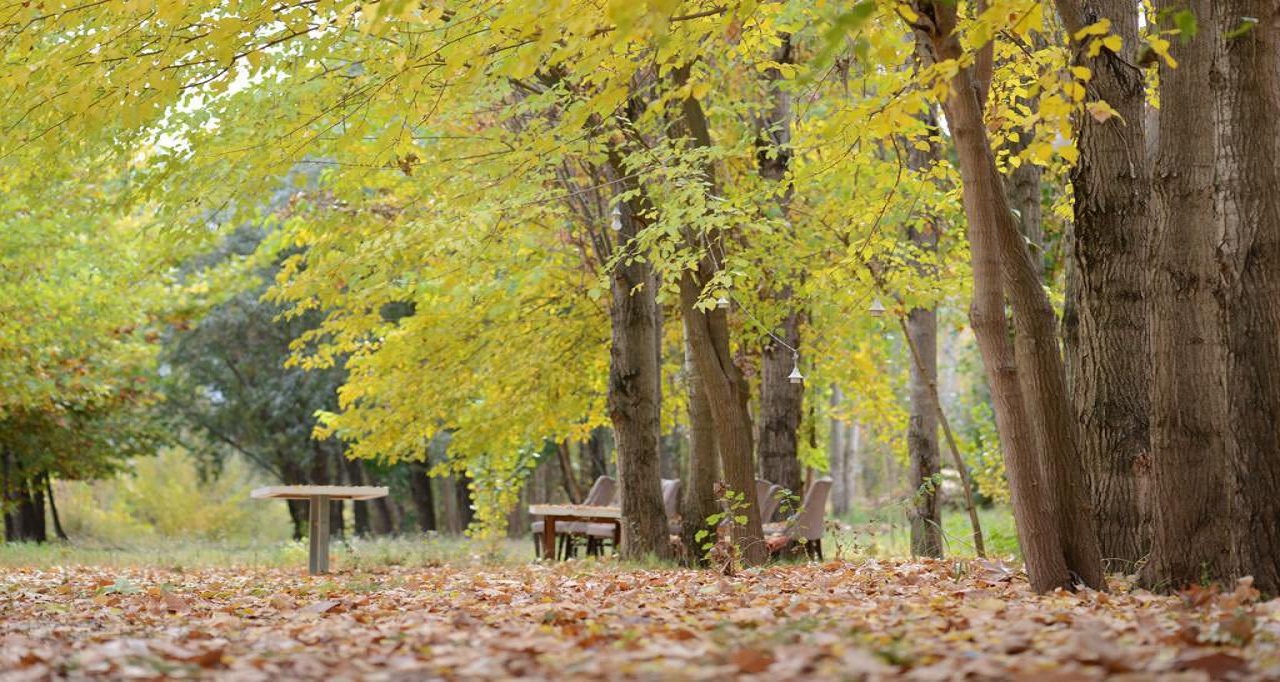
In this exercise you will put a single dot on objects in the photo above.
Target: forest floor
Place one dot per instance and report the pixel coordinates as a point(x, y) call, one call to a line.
point(861, 619)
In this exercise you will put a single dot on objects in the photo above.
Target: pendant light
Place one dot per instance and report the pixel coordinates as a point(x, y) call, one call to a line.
point(795, 377)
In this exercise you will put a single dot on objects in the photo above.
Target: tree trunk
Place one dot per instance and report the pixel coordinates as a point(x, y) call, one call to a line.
point(1027, 380)
point(359, 508)
point(781, 401)
point(571, 487)
point(291, 473)
point(922, 425)
point(53, 510)
point(1024, 188)
point(23, 502)
point(699, 500)
point(1192, 536)
point(635, 387)
point(424, 504)
point(1215, 314)
point(922, 438)
point(725, 386)
point(838, 459)
point(1247, 95)
point(595, 454)
point(1105, 323)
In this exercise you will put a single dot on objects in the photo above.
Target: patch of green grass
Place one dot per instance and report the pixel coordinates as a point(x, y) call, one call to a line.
point(180, 555)
point(886, 532)
point(880, 532)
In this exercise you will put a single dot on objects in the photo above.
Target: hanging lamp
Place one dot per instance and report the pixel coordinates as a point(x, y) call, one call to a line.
point(795, 376)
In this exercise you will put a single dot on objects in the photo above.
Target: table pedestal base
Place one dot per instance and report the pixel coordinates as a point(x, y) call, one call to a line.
point(318, 561)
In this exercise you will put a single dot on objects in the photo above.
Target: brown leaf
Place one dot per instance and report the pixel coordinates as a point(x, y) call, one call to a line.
point(1218, 664)
point(751, 660)
point(321, 606)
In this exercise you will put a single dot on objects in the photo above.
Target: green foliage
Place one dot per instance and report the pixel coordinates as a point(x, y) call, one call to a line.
point(164, 497)
point(460, 167)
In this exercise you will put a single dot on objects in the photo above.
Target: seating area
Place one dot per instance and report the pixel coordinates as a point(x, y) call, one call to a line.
point(801, 529)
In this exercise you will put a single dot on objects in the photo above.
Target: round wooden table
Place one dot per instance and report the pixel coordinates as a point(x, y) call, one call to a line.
point(319, 496)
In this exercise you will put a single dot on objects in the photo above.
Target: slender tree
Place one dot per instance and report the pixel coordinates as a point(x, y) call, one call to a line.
point(1027, 378)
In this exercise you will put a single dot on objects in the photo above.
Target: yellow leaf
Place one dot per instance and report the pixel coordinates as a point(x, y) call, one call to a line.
point(1099, 28)
point(1101, 111)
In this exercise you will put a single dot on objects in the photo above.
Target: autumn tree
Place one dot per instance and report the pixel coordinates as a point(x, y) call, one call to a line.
point(1104, 325)
point(1027, 377)
point(1212, 300)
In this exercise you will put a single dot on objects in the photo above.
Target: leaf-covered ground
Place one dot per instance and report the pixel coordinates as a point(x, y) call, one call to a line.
point(918, 620)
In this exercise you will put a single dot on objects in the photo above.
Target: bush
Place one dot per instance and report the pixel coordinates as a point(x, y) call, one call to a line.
point(164, 497)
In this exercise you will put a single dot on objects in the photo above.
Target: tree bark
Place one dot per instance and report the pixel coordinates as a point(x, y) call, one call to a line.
point(420, 490)
point(725, 386)
point(922, 425)
point(359, 509)
point(838, 458)
point(53, 510)
point(571, 487)
point(699, 500)
point(1191, 533)
point(1215, 314)
point(1247, 95)
point(595, 454)
point(1105, 322)
point(781, 401)
point(635, 385)
point(1027, 380)
point(922, 436)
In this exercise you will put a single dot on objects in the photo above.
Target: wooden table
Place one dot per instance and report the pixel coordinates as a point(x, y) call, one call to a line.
point(319, 495)
point(551, 513)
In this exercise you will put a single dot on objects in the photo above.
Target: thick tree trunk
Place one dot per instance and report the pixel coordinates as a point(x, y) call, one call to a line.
point(635, 388)
point(1192, 534)
point(24, 521)
point(725, 386)
point(699, 499)
point(424, 503)
point(1027, 380)
point(781, 401)
point(1215, 304)
point(1105, 322)
point(1246, 87)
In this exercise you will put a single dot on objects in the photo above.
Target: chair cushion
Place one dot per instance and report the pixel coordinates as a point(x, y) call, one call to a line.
point(599, 530)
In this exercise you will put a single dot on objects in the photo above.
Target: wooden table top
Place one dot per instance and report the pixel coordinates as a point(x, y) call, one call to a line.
point(302, 492)
point(581, 511)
